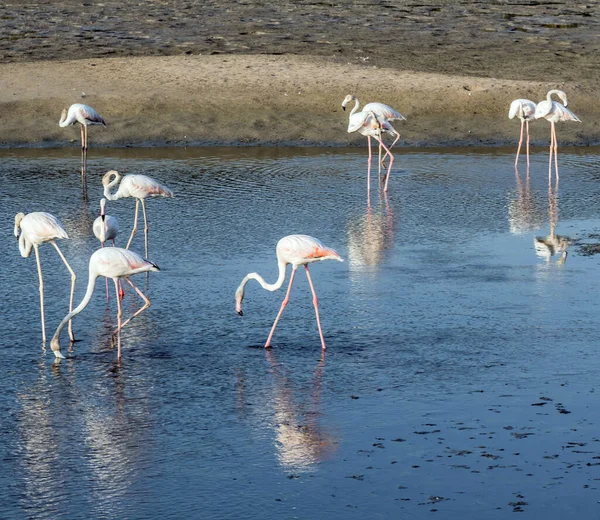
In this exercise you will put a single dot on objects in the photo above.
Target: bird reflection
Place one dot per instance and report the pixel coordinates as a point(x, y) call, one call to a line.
point(300, 440)
point(369, 236)
point(523, 214)
point(553, 244)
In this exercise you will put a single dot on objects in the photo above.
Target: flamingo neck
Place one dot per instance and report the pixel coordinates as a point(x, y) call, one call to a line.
point(24, 246)
point(107, 188)
point(65, 120)
point(559, 93)
point(80, 307)
point(239, 293)
point(356, 103)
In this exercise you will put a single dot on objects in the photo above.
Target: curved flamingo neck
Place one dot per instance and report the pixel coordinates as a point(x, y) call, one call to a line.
point(356, 103)
point(239, 293)
point(65, 120)
point(107, 188)
point(559, 93)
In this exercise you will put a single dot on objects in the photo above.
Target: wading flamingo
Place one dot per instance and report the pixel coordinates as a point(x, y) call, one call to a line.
point(115, 263)
point(524, 109)
point(139, 187)
point(85, 116)
point(296, 250)
point(553, 111)
point(32, 230)
point(106, 228)
point(384, 114)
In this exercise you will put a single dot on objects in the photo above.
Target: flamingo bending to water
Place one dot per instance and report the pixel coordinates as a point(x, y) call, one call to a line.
point(139, 187)
point(115, 263)
point(32, 230)
point(524, 109)
point(296, 250)
point(106, 227)
point(554, 111)
point(384, 114)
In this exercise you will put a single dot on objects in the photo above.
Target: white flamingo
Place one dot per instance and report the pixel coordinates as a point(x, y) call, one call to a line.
point(106, 227)
point(115, 263)
point(524, 109)
point(32, 230)
point(384, 114)
point(296, 250)
point(139, 187)
point(85, 116)
point(553, 111)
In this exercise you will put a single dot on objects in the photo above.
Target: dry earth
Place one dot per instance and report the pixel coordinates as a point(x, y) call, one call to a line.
point(207, 72)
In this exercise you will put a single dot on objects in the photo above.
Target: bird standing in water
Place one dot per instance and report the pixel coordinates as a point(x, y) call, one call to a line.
point(524, 109)
point(139, 187)
point(32, 230)
point(85, 116)
point(554, 111)
point(115, 263)
point(106, 228)
point(296, 250)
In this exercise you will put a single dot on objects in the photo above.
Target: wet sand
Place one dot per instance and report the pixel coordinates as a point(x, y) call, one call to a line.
point(242, 73)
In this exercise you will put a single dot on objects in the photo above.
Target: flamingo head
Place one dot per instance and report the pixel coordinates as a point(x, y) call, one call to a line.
point(63, 116)
point(347, 100)
point(18, 218)
point(102, 207)
point(239, 296)
point(106, 180)
point(563, 97)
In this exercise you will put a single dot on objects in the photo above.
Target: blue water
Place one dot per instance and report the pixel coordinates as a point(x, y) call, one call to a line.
point(443, 327)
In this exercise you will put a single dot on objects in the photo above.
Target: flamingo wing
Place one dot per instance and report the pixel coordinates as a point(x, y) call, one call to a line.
point(41, 227)
point(142, 186)
point(90, 115)
point(384, 111)
point(543, 109)
point(116, 262)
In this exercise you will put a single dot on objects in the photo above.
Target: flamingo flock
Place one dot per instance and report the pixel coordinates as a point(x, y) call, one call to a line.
point(373, 121)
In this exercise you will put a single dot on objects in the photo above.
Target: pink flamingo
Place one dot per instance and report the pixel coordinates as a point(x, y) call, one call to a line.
point(85, 116)
point(553, 111)
point(296, 250)
point(106, 227)
point(32, 230)
point(115, 263)
point(524, 109)
point(384, 114)
point(139, 187)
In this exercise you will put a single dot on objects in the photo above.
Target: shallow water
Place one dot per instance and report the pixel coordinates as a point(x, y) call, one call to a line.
point(443, 328)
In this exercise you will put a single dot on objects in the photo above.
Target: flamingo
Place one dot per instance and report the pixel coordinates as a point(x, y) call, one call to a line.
point(384, 114)
point(524, 109)
point(32, 230)
point(85, 116)
point(296, 250)
point(115, 263)
point(138, 186)
point(106, 227)
point(553, 111)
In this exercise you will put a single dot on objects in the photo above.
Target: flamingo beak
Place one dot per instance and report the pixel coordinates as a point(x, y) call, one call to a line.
point(344, 108)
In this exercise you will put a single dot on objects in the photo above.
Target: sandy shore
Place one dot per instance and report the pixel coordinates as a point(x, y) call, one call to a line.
point(264, 99)
point(249, 73)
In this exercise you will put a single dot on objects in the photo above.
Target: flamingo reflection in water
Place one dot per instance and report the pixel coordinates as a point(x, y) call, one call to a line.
point(524, 215)
point(553, 244)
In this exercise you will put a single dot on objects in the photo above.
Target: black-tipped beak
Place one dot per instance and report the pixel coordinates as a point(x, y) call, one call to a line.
point(344, 108)
point(240, 313)
point(103, 217)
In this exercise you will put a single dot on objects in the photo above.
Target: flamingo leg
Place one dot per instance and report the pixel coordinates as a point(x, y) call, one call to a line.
point(387, 177)
point(527, 126)
point(555, 150)
point(520, 143)
point(551, 151)
point(135, 219)
point(391, 146)
point(119, 316)
point(283, 304)
point(39, 267)
point(142, 309)
point(316, 304)
point(379, 158)
point(73, 279)
point(145, 226)
point(369, 170)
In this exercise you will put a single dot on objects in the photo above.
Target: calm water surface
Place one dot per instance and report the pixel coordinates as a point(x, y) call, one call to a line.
point(443, 327)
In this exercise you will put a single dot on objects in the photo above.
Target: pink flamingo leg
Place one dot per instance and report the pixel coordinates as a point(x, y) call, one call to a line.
point(391, 146)
point(316, 304)
point(119, 316)
point(555, 150)
point(520, 143)
point(135, 219)
point(551, 151)
point(369, 170)
point(527, 125)
point(283, 304)
point(142, 309)
point(387, 177)
point(73, 279)
point(145, 226)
